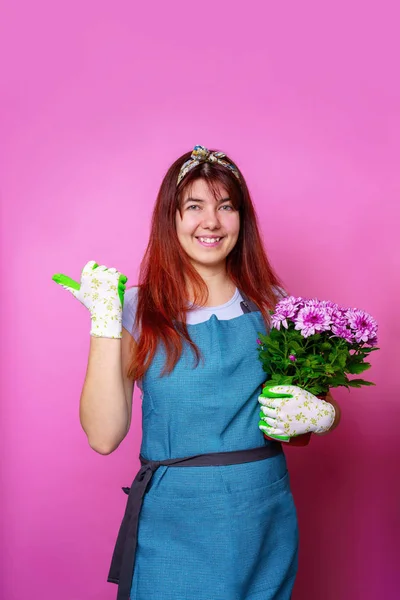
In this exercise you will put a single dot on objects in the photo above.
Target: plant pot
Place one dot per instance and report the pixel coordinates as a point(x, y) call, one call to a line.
point(299, 440)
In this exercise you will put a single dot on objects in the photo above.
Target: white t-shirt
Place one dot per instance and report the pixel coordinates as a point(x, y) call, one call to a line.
point(226, 311)
point(223, 312)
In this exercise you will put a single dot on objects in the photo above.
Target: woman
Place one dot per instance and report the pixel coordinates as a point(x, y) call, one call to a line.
point(224, 527)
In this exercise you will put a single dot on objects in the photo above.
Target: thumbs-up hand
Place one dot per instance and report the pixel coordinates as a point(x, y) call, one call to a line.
point(102, 291)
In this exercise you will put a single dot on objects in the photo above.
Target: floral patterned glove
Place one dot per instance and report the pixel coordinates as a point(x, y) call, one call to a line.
point(288, 411)
point(102, 291)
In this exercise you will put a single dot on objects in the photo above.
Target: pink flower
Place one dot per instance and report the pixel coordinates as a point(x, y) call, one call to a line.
point(312, 319)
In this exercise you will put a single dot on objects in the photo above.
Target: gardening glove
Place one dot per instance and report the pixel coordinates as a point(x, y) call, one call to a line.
point(288, 411)
point(101, 290)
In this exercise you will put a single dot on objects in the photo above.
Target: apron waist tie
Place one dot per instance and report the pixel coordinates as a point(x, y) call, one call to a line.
point(123, 559)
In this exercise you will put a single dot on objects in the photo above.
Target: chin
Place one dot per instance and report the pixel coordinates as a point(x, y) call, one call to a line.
point(212, 262)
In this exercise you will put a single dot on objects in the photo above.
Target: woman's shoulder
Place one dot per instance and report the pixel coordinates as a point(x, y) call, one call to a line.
point(279, 292)
point(131, 295)
point(129, 310)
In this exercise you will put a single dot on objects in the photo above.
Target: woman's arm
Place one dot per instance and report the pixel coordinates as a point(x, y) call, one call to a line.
point(106, 399)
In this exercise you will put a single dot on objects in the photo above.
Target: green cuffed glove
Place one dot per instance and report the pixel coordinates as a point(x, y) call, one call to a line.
point(102, 291)
point(288, 411)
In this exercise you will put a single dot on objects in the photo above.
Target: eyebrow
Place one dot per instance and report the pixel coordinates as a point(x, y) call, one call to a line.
point(201, 200)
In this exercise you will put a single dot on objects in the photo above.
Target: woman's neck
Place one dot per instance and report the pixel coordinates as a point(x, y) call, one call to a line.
point(220, 288)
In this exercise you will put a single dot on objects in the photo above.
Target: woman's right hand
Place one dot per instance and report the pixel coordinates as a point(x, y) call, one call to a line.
point(102, 291)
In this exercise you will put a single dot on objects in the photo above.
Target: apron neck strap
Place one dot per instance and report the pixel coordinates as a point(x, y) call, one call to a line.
point(247, 305)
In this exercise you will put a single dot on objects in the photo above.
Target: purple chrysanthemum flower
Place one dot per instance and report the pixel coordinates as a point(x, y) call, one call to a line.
point(340, 324)
point(317, 303)
point(340, 330)
point(373, 341)
point(297, 303)
point(286, 309)
point(326, 305)
point(339, 316)
point(363, 325)
point(311, 319)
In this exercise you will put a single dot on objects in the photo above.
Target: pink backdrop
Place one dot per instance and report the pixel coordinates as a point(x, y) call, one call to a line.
point(98, 98)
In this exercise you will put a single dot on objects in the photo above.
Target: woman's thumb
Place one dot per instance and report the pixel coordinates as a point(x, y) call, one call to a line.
point(67, 283)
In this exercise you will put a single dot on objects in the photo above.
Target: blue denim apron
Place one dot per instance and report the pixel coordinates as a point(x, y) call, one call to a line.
point(221, 532)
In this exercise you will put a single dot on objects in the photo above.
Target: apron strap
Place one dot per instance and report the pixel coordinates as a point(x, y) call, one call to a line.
point(123, 559)
point(247, 305)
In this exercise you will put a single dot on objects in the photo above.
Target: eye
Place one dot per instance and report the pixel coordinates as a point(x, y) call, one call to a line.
point(192, 206)
point(229, 206)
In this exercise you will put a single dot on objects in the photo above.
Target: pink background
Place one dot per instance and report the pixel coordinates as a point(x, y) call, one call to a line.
point(98, 98)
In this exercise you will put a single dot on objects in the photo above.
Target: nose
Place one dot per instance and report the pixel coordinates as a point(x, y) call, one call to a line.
point(211, 219)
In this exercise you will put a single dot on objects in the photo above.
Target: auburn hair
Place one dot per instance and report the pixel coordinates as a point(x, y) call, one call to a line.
point(166, 268)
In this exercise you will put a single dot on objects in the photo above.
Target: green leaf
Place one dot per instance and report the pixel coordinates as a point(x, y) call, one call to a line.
point(317, 360)
point(339, 379)
point(275, 334)
point(272, 344)
point(263, 337)
point(326, 346)
point(287, 381)
point(342, 358)
point(370, 349)
point(356, 368)
point(315, 389)
point(278, 379)
point(295, 346)
point(359, 382)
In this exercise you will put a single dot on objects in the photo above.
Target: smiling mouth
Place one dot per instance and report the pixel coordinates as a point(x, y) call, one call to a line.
point(209, 240)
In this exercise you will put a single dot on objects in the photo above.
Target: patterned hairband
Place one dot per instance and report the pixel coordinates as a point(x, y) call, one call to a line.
point(199, 155)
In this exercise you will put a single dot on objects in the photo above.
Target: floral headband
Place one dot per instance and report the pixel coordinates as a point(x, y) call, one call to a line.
point(199, 155)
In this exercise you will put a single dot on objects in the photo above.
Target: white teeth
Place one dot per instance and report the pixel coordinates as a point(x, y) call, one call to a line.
point(209, 240)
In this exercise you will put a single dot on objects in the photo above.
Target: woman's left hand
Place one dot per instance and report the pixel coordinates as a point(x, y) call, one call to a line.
point(288, 410)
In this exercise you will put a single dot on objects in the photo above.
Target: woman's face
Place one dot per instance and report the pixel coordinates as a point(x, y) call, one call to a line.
point(209, 227)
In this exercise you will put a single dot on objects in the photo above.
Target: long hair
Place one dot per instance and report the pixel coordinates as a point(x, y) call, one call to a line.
point(166, 269)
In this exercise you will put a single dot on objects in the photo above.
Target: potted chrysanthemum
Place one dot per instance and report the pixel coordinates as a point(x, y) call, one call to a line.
point(315, 344)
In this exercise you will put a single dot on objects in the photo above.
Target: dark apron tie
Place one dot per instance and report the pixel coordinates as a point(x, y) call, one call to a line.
point(123, 560)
